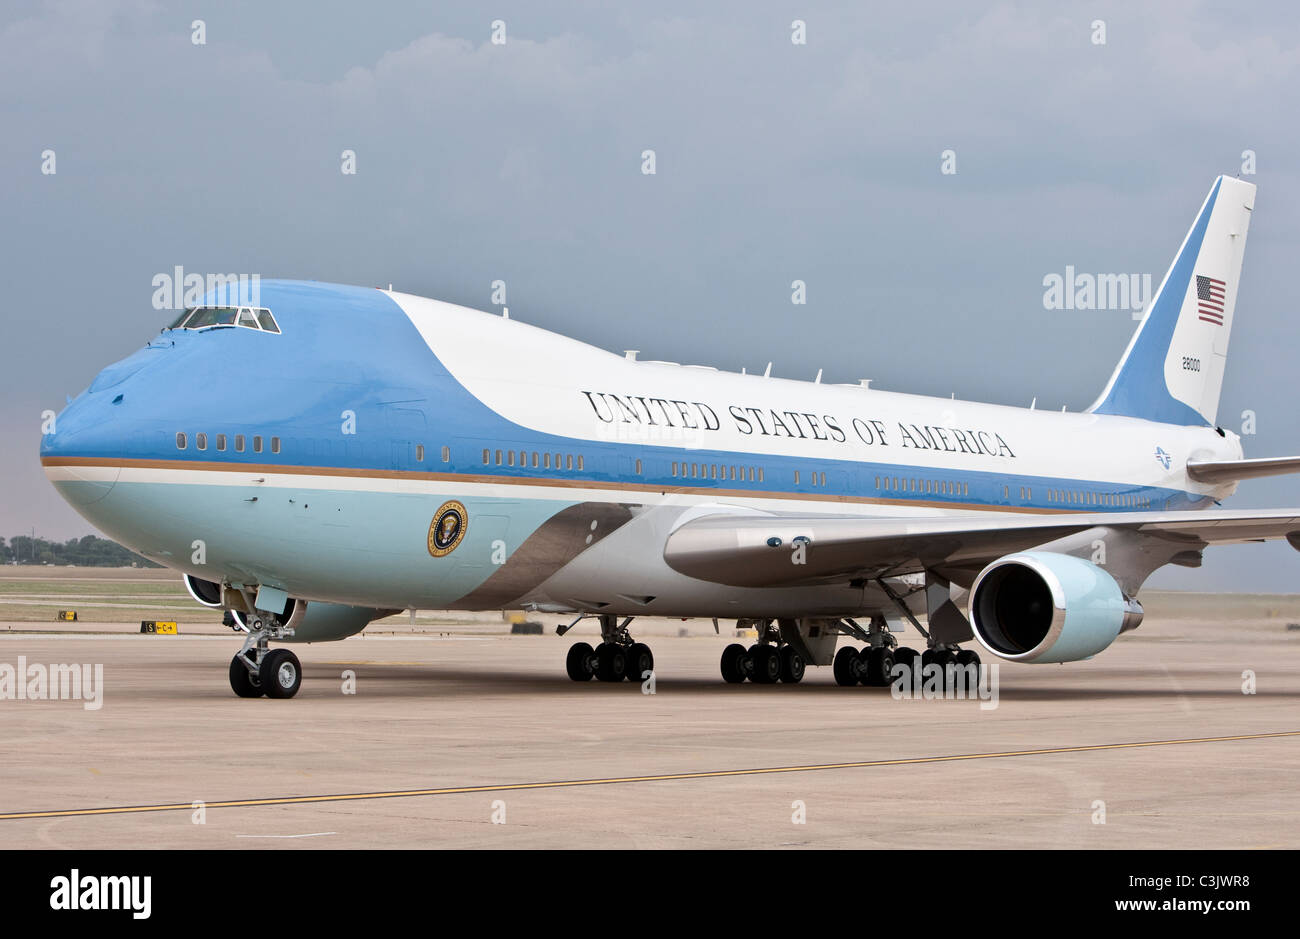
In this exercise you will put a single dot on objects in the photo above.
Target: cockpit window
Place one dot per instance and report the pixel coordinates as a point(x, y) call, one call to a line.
point(207, 317)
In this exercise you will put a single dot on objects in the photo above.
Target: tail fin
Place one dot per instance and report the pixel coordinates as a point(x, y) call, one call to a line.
point(1172, 371)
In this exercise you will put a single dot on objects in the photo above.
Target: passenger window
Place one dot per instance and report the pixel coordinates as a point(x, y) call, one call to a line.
point(257, 444)
point(180, 440)
point(221, 441)
point(239, 443)
point(275, 444)
point(579, 461)
point(446, 454)
point(201, 441)
point(638, 467)
point(419, 453)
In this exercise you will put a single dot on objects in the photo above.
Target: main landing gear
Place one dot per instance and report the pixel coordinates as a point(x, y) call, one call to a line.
point(875, 665)
point(765, 663)
point(616, 658)
point(257, 670)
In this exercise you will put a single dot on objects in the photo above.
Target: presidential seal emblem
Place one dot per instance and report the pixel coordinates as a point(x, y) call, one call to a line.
point(447, 528)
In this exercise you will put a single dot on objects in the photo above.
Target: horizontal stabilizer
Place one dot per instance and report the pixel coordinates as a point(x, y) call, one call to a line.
point(1227, 471)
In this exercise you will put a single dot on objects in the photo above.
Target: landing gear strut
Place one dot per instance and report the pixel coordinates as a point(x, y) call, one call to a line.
point(766, 662)
point(617, 657)
point(257, 670)
point(874, 665)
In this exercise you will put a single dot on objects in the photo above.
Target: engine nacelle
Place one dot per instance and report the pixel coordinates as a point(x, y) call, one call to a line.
point(1040, 606)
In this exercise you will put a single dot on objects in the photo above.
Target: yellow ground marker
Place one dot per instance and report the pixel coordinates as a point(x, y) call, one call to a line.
point(611, 780)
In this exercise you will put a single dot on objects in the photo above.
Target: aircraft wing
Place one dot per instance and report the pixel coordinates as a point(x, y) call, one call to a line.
point(759, 551)
point(1230, 470)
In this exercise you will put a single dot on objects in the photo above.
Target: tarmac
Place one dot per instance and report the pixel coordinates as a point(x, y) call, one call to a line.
point(456, 734)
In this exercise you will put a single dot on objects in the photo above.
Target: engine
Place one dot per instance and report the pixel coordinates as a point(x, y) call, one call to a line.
point(310, 622)
point(1040, 606)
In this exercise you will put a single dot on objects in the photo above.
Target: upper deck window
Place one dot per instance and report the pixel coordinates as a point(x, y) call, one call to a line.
point(208, 317)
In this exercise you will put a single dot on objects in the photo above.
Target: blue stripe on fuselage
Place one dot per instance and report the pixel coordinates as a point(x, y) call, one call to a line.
point(350, 383)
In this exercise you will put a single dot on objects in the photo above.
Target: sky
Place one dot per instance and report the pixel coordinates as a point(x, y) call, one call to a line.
point(920, 167)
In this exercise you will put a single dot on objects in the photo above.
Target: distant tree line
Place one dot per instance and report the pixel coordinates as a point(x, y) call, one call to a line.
point(87, 551)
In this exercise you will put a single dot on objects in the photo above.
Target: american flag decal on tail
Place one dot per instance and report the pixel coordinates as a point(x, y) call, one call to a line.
point(1209, 299)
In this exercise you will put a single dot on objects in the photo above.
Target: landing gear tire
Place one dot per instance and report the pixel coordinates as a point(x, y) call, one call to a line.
point(280, 673)
point(905, 656)
point(845, 667)
point(940, 657)
point(733, 658)
point(242, 681)
point(767, 664)
point(639, 661)
point(578, 664)
point(792, 666)
point(967, 678)
point(876, 667)
point(611, 662)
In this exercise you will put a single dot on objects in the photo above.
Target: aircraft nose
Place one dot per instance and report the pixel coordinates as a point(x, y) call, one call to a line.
point(78, 446)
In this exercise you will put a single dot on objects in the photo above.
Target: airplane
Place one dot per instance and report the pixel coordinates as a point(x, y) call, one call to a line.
point(318, 456)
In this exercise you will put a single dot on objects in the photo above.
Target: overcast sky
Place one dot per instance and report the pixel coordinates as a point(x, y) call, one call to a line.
point(775, 161)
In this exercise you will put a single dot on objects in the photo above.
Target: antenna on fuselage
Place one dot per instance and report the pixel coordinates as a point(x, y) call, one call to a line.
point(1034, 402)
point(818, 379)
point(767, 372)
point(505, 312)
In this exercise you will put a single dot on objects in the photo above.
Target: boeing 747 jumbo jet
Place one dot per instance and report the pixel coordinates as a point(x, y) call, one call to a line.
point(380, 452)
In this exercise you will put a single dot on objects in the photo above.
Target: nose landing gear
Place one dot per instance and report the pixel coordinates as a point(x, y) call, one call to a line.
point(257, 670)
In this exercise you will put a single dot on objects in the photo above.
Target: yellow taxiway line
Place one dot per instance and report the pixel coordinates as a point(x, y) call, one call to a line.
point(613, 780)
